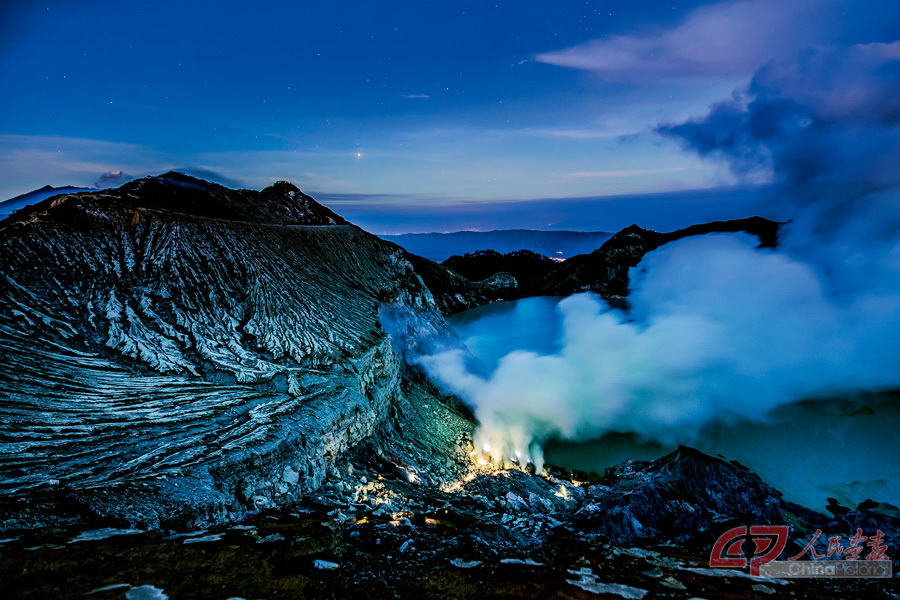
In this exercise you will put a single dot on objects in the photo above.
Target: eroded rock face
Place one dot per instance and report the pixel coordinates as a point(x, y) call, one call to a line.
point(177, 351)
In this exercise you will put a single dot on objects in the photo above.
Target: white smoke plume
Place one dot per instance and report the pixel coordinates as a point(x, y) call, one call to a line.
point(720, 329)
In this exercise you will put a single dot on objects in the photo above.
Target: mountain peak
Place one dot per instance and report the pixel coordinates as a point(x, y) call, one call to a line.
point(632, 229)
point(178, 175)
point(173, 178)
point(282, 203)
point(282, 187)
point(174, 192)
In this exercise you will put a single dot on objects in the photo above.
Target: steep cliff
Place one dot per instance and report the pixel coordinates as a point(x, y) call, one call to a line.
point(175, 351)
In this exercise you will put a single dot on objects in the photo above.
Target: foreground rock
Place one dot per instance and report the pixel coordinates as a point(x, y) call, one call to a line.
point(684, 496)
point(493, 534)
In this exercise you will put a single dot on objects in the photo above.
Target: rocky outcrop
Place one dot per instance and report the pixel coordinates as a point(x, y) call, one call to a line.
point(523, 265)
point(603, 271)
point(682, 496)
point(454, 293)
point(380, 530)
point(178, 355)
point(175, 351)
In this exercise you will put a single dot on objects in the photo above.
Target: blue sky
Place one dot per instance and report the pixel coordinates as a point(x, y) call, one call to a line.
point(393, 108)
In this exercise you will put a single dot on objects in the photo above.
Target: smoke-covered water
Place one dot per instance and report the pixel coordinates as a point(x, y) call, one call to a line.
point(841, 448)
point(494, 330)
point(786, 359)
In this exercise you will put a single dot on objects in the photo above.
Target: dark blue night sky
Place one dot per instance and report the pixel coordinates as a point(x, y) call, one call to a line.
point(414, 115)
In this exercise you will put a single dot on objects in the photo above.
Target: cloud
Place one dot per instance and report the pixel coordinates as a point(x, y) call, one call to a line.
point(112, 179)
point(663, 211)
point(726, 39)
point(585, 133)
point(394, 200)
point(29, 162)
point(823, 125)
point(720, 330)
point(211, 175)
point(625, 173)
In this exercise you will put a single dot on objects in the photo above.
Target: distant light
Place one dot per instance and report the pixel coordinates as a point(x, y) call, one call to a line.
point(359, 155)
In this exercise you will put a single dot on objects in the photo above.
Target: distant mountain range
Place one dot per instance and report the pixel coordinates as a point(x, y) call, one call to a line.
point(603, 271)
point(10, 206)
point(554, 244)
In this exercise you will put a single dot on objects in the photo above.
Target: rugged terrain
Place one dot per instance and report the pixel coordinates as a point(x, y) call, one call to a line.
point(175, 351)
point(643, 530)
point(204, 390)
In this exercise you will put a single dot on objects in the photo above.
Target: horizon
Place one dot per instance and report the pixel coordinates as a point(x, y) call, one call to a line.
point(609, 214)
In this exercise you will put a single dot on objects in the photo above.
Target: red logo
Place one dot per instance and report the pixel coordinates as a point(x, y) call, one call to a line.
point(768, 543)
point(853, 551)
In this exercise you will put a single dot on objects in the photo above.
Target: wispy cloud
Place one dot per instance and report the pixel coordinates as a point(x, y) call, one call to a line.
point(726, 39)
point(663, 211)
point(28, 162)
point(415, 96)
point(19, 143)
point(112, 179)
point(626, 173)
point(370, 200)
point(578, 133)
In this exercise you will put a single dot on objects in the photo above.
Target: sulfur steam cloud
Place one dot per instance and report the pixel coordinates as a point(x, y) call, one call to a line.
point(720, 329)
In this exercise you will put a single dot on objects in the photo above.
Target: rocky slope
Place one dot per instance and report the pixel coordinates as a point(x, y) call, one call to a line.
point(178, 351)
point(496, 533)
